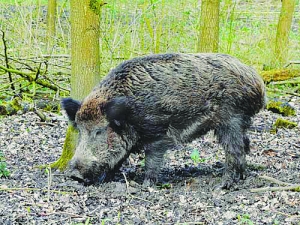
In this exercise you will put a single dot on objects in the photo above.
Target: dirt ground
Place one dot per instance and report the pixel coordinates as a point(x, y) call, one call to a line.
point(185, 195)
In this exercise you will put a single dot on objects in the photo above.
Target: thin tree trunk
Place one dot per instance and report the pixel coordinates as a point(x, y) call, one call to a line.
point(85, 60)
point(51, 17)
point(283, 30)
point(85, 25)
point(209, 26)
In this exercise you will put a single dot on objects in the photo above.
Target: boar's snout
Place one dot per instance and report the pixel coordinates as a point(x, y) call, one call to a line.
point(87, 173)
point(73, 171)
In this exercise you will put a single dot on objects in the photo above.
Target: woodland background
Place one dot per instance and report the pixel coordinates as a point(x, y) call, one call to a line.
point(53, 49)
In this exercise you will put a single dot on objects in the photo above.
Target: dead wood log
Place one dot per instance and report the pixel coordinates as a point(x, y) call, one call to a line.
point(279, 74)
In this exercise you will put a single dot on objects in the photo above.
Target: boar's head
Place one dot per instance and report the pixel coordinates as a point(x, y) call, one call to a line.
point(105, 139)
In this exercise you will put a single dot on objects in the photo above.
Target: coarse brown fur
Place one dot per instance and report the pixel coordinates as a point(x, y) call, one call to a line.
point(156, 101)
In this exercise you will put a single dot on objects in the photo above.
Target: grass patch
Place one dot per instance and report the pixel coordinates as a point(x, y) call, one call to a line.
point(4, 172)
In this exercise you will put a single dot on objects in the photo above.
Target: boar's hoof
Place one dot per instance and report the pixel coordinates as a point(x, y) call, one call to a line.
point(149, 182)
point(229, 180)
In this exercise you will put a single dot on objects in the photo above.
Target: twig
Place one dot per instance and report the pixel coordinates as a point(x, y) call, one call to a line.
point(7, 85)
point(273, 180)
point(291, 62)
point(49, 172)
point(31, 77)
point(130, 195)
point(56, 56)
point(45, 123)
point(294, 81)
point(285, 214)
point(288, 186)
point(127, 184)
point(35, 189)
point(282, 91)
point(64, 213)
point(297, 146)
point(51, 81)
point(43, 117)
point(295, 187)
point(193, 223)
point(6, 61)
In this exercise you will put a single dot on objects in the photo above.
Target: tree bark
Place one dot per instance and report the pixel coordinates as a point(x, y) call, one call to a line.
point(51, 17)
point(85, 58)
point(209, 26)
point(85, 61)
point(283, 30)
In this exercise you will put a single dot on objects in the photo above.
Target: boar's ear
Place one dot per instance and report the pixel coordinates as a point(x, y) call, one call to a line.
point(71, 106)
point(116, 110)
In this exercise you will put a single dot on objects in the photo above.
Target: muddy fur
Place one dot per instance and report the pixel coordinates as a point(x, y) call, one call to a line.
point(152, 103)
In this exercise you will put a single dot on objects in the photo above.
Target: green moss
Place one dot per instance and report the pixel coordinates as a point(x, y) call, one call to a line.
point(16, 103)
point(11, 107)
point(278, 74)
point(256, 166)
point(282, 123)
point(95, 6)
point(282, 108)
point(48, 105)
point(3, 110)
point(68, 149)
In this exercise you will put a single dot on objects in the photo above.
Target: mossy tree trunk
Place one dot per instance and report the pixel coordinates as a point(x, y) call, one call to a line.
point(51, 17)
point(85, 64)
point(283, 30)
point(209, 26)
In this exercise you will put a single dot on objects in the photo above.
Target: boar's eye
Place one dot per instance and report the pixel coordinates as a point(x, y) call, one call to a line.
point(98, 132)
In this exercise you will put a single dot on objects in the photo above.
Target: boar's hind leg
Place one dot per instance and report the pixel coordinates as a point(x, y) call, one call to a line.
point(154, 155)
point(233, 139)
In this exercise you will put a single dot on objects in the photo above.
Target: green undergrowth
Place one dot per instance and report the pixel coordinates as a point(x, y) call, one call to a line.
point(195, 156)
point(281, 107)
point(139, 27)
point(24, 2)
point(4, 172)
point(283, 123)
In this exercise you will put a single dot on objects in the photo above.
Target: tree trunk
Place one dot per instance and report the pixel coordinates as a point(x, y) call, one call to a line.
point(85, 61)
point(209, 26)
point(51, 17)
point(283, 30)
point(85, 25)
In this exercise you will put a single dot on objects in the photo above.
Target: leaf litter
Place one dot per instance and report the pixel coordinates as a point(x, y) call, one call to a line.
point(185, 194)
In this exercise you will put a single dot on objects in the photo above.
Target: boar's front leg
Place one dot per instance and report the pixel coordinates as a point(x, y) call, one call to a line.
point(154, 155)
point(233, 139)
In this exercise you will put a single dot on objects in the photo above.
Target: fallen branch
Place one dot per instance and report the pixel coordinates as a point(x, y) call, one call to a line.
point(6, 61)
point(275, 181)
point(42, 116)
point(276, 90)
point(287, 186)
point(31, 77)
point(295, 187)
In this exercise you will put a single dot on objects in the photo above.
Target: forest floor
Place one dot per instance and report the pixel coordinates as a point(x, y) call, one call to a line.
point(185, 196)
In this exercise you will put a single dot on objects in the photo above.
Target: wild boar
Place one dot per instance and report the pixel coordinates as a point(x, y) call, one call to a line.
point(154, 102)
